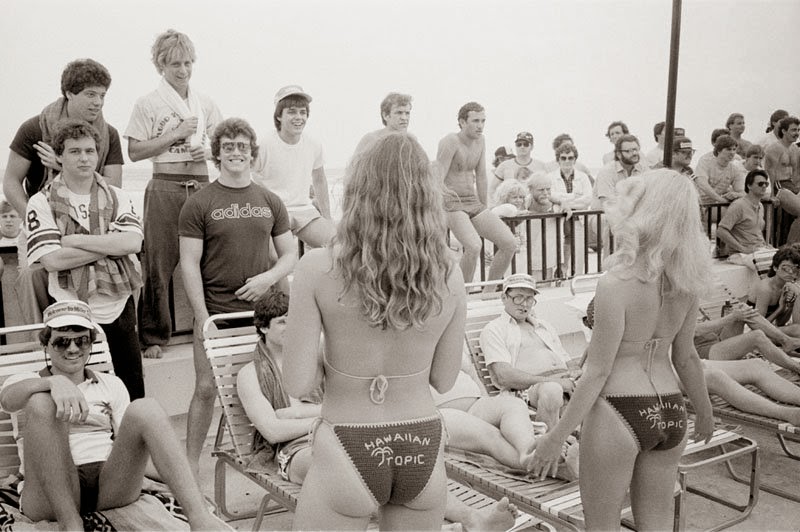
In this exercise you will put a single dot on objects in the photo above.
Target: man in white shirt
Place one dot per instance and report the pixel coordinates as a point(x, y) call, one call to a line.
point(289, 163)
point(524, 353)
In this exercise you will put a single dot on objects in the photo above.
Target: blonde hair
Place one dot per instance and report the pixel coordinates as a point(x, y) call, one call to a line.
point(508, 187)
point(656, 225)
point(391, 247)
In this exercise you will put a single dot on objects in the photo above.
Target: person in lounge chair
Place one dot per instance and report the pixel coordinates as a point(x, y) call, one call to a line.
point(83, 444)
point(281, 440)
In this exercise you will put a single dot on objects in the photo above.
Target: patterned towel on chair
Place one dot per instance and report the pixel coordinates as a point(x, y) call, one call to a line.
point(155, 509)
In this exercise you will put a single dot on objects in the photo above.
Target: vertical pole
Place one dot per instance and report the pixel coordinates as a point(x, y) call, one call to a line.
point(672, 82)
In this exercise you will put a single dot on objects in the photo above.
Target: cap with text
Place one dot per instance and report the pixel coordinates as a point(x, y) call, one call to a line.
point(681, 143)
point(520, 280)
point(69, 312)
point(291, 90)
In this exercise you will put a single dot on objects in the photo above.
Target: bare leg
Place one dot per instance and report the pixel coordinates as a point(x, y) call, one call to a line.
point(459, 223)
point(736, 347)
point(512, 416)
point(51, 487)
point(491, 227)
point(547, 398)
point(201, 407)
point(426, 511)
point(726, 379)
point(146, 432)
point(607, 456)
point(652, 487)
point(152, 351)
point(317, 233)
point(470, 433)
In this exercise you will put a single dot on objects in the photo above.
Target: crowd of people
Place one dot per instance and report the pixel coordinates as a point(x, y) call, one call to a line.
point(384, 290)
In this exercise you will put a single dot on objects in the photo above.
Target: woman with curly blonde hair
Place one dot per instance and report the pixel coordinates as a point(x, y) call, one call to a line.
point(391, 305)
point(628, 398)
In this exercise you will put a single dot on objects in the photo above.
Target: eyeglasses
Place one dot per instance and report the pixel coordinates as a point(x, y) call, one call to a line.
point(62, 343)
point(228, 147)
point(687, 152)
point(632, 150)
point(520, 299)
point(522, 143)
point(761, 184)
point(788, 268)
point(565, 158)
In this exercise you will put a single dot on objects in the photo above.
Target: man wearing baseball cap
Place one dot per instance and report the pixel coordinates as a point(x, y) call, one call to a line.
point(289, 163)
point(508, 169)
point(524, 353)
point(83, 445)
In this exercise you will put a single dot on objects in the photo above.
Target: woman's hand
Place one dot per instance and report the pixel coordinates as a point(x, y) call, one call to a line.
point(546, 455)
point(703, 428)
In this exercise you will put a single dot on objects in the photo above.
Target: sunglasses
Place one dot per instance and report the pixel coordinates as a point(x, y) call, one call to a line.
point(522, 144)
point(565, 158)
point(228, 147)
point(62, 343)
point(520, 299)
point(761, 184)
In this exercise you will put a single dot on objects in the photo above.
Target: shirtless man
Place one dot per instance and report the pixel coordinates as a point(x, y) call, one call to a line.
point(462, 162)
point(395, 115)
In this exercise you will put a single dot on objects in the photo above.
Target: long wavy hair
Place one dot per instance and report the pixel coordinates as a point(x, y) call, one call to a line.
point(656, 225)
point(391, 248)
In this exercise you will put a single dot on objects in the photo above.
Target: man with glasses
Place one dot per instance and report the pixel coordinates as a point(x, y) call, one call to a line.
point(225, 233)
point(170, 126)
point(83, 444)
point(508, 169)
point(86, 235)
point(627, 164)
point(571, 191)
point(741, 227)
point(524, 353)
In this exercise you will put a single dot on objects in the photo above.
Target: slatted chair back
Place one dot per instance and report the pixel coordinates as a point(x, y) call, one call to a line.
point(763, 261)
point(228, 350)
point(29, 356)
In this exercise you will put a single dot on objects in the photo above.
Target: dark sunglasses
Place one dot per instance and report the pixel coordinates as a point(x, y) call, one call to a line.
point(62, 343)
point(522, 143)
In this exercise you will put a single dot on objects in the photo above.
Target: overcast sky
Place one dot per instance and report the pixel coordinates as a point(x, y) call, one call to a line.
point(544, 66)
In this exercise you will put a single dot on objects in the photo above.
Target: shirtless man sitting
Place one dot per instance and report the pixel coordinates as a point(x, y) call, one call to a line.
point(462, 162)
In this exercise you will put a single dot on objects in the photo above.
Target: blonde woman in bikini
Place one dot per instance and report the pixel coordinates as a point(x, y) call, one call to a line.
point(390, 301)
point(628, 399)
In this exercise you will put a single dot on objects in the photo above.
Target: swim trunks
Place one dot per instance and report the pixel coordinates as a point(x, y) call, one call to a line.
point(656, 423)
point(89, 477)
point(468, 204)
point(395, 460)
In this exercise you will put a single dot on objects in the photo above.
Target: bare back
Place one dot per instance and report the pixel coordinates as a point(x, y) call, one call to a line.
point(652, 318)
point(356, 352)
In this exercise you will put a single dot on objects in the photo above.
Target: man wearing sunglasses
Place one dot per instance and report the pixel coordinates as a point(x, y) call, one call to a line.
point(524, 353)
point(523, 146)
point(741, 227)
point(225, 233)
point(86, 235)
point(83, 445)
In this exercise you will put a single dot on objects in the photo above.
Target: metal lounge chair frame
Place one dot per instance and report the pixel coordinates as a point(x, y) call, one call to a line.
point(560, 500)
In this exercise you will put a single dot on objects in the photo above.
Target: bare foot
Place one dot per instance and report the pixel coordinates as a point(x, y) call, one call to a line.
point(209, 521)
point(526, 458)
point(152, 351)
point(498, 517)
point(791, 346)
point(793, 416)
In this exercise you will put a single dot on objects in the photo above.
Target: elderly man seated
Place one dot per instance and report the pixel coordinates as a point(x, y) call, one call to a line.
point(524, 353)
point(83, 444)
